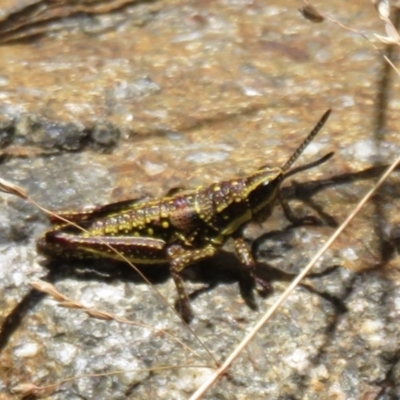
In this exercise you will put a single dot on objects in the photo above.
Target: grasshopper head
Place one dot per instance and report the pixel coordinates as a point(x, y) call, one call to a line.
point(263, 188)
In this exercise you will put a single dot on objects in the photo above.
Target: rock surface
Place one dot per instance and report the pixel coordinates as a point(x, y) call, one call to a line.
point(98, 107)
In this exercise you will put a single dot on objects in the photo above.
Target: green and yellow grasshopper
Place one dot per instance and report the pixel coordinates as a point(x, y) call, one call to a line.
point(183, 227)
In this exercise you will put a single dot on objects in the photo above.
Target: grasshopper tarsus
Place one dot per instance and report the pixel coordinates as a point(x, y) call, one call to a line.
point(265, 286)
point(184, 310)
point(184, 227)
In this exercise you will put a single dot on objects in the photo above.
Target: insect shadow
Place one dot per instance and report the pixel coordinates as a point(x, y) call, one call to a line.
point(223, 268)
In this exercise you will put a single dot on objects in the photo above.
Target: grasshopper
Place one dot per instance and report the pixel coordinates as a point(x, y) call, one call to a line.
point(181, 228)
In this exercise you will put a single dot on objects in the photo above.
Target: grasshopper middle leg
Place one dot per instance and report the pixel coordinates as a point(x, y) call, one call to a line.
point(179, 259)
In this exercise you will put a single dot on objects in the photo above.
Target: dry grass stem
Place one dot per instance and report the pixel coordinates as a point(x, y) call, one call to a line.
point(29, 389)
point(10, 188)
point(391, 39)
point(267, 316)
point(383, 8)
point(64, 301)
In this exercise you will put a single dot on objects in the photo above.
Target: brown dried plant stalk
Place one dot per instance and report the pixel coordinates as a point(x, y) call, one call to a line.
point(64, 301)
point(311, 13)
point(272, 310)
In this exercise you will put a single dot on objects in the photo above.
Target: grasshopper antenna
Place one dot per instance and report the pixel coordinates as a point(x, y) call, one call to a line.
point(306, 142)
point(312, 164)
point(287, 172)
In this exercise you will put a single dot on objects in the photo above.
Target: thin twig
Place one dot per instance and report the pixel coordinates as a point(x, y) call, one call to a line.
point(267, 316)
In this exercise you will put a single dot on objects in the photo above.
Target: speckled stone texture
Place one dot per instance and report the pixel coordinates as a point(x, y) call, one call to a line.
point(149, 96)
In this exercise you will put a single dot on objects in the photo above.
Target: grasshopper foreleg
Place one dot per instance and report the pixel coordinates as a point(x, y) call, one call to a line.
point(179, 259)
point(248, 262)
